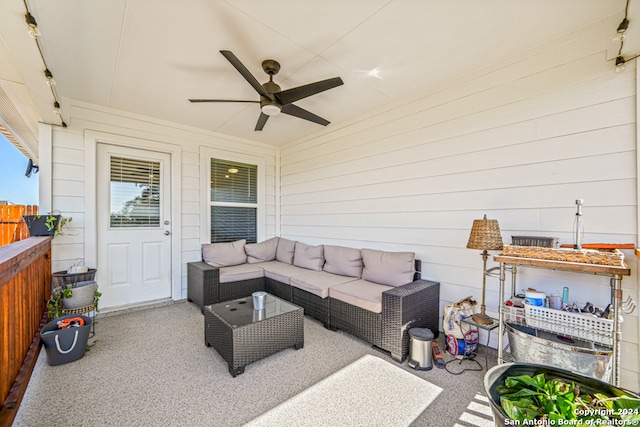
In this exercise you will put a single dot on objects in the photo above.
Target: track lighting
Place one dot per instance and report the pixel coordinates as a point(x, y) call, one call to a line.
point(49, 77)
point(32, 26)
point(56, 108)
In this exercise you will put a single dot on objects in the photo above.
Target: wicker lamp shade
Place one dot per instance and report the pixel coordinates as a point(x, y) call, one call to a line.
point(485, 235)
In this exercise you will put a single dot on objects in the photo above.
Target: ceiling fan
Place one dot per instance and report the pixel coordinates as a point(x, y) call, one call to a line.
point(273, 100)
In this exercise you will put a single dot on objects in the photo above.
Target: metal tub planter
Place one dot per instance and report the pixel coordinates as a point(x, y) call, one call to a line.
point(83, 295)
point(591, 401)
point(532, 345)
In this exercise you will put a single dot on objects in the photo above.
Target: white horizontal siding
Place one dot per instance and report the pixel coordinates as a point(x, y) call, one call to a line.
point(519, 141)
point(67, 195)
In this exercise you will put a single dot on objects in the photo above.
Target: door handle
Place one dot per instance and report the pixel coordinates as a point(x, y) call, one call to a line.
point(167, 232)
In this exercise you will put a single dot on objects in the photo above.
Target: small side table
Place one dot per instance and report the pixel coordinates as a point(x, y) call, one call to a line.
point(489, 327)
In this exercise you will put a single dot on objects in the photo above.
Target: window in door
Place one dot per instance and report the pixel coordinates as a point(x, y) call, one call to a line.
point(135, 193)
point(234, 201)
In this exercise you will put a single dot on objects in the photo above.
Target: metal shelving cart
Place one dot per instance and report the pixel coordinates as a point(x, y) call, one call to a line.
point(612, 334)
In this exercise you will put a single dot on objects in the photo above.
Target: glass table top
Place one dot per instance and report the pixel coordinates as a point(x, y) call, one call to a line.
point(240, 312)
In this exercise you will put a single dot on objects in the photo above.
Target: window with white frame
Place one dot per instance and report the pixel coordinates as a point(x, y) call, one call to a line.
point(234, 201)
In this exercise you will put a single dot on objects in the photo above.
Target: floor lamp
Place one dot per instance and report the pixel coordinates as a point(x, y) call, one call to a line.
point(485, 235)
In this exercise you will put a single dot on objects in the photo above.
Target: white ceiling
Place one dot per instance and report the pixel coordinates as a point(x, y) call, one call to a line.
point(149, 56)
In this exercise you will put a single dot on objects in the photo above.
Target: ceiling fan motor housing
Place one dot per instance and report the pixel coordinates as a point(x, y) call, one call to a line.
point(270, 107)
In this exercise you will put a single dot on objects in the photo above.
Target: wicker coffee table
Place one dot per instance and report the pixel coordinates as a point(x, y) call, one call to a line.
point(243, 335)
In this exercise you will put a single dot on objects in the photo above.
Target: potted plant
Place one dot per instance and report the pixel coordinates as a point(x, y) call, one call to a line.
point(74, 289)
point(58, 304)
point(46, 225)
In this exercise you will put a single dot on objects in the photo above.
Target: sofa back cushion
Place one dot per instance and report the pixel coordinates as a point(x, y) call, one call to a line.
point(261, 252)
point(388, 268)
point(224, 254)
point(285, 250)
point(311, 257)
point(343, 261)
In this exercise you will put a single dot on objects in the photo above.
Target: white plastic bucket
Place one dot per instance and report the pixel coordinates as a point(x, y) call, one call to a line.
point(534, 298)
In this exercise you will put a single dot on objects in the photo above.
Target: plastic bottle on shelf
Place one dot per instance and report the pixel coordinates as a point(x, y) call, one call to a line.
point(555, 301)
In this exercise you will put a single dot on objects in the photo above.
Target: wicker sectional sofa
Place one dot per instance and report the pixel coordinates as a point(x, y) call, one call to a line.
point(374, 295)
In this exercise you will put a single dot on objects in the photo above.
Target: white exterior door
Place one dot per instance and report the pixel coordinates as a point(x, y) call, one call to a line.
point(134, 225)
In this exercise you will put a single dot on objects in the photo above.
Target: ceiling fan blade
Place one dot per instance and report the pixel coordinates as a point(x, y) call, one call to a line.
point(220, 100)
point(292, 95)
point(294, 110)
point(245, 73)
point(262, 120)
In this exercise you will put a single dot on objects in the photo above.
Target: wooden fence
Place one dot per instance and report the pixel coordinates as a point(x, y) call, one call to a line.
point(12, 226)
point(25, 286)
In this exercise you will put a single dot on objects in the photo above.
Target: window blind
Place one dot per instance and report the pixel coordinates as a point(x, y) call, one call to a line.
point(233, 223)
point(135, 193)
point(233, 201)
point(233, 182)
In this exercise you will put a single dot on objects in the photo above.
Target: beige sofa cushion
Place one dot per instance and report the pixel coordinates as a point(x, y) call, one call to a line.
point(280, 271)
point(285, 250)
point(361, 293)
point(224, 254)
point(388, 268)
point(261, 252)
point(318, 282)
point(343, 261)
point(310, 257)
point(240, 272)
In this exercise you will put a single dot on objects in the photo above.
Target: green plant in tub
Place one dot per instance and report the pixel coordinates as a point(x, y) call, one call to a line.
point(555, 401)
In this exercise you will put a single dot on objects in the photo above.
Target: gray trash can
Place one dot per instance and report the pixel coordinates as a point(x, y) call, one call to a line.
point(420, 348)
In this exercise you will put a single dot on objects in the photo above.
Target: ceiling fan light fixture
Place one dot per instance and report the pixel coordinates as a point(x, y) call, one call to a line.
point(270, 109)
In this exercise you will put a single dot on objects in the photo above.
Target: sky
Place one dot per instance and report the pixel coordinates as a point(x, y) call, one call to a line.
point(14, 186)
